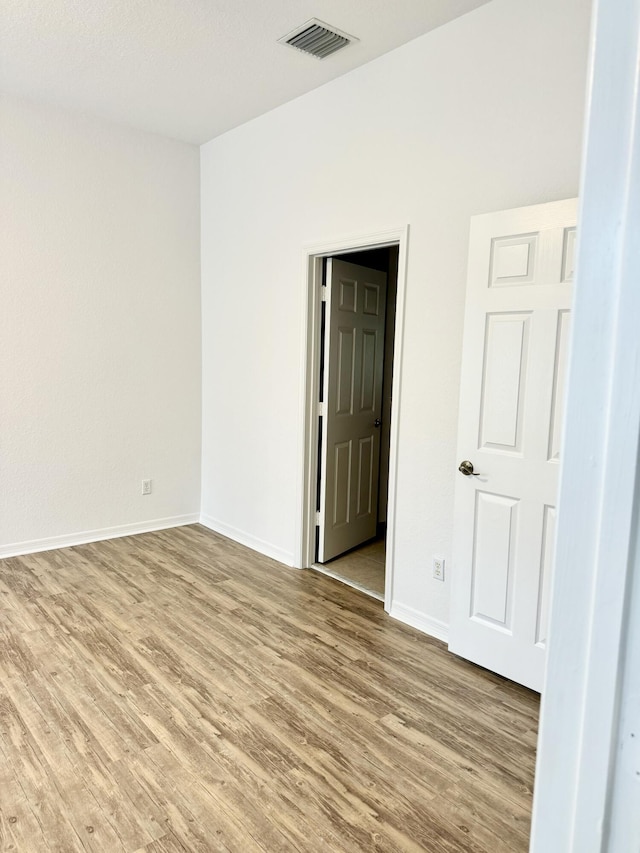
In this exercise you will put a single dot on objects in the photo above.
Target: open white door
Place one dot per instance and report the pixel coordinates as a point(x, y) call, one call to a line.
point(517, 321)
point(352, 406)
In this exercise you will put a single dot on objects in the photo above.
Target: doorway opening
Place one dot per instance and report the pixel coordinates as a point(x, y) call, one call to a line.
point(363, 565)
point(373, 274)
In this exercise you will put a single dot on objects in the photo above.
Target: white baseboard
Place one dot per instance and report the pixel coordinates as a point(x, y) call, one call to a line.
point(18, 549)
point(416, 619)
point(247, 539)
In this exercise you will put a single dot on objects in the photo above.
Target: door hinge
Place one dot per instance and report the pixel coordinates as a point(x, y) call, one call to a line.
point(323, 293)
point(322, 410)
point(317, 519)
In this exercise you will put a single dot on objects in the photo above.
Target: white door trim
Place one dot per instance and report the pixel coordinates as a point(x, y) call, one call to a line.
point(586, 794)
point(310, 374)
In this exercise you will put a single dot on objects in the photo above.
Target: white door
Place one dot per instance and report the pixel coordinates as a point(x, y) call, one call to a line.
point(352, 406)
point(517, 323)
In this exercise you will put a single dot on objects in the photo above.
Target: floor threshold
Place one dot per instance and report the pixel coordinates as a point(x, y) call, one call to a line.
point(319, 567)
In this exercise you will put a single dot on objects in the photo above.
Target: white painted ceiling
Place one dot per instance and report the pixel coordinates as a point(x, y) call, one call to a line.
point(191, 69)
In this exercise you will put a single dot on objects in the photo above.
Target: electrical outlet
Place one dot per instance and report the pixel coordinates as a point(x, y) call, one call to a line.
point(146, 487)
point(438, 568)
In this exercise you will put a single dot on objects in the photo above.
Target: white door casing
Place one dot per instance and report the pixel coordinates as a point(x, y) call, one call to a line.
point(517, 325)
point(587, 783)
point(352, 397)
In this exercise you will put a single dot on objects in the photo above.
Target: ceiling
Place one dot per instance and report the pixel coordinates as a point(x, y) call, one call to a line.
point(192, 69)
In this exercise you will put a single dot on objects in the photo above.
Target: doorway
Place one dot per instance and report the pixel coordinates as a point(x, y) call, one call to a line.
point(362, 565)
point(367, 565)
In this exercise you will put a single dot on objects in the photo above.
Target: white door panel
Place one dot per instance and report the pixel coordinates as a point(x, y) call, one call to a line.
point(517, 324)
point(352, 390)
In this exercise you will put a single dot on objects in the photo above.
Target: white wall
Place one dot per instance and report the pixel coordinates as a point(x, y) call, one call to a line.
point(99, 328)
point(482, 114)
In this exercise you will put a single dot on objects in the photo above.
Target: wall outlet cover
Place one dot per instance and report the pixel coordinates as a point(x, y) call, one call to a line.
point(438, 568)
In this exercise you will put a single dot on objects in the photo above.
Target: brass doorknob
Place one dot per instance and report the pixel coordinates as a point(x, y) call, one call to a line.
point(466, 468)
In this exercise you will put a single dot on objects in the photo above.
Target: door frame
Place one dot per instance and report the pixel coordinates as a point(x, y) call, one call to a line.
point(586, 786)
point(313, 256)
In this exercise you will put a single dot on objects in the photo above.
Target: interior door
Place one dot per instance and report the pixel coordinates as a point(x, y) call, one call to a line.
point(517, 326)
point(352, 406)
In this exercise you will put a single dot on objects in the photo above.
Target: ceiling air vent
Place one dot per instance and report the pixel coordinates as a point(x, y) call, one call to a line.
point(316, 38)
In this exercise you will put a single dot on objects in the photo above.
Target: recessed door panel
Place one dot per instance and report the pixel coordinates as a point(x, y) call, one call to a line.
point(345, 370)
point(503, 382)
point(568, 253)
point(348, 292)
point(365, 476)
point(513, 260)
point(546, 564)
point(371, 300)
point(495, 528)
point(368, 379)
point(342, 483)
point(559, 384)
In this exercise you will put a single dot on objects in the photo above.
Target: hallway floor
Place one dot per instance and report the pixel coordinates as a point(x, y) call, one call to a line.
point(362, 568)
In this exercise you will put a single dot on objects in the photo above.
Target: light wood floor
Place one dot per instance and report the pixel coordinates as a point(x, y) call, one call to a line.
point(177, 692)
point(362, 568)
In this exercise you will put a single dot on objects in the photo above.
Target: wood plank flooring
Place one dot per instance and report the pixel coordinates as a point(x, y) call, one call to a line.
point(175, 691)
